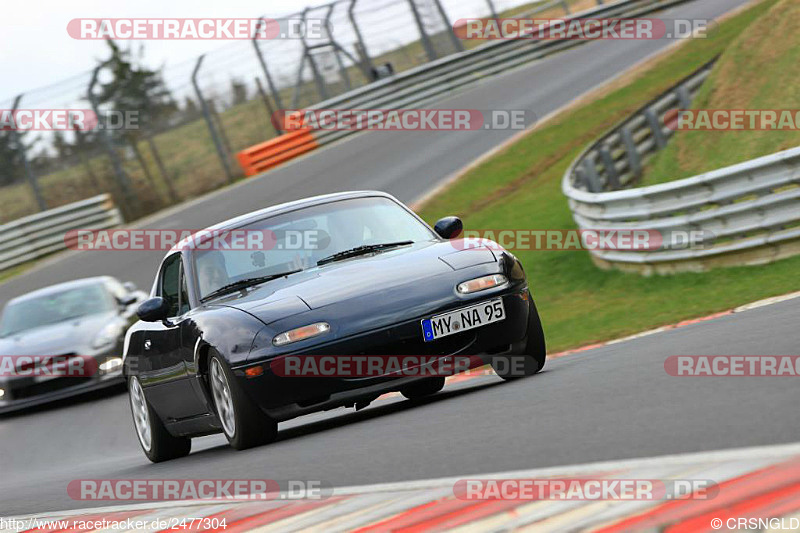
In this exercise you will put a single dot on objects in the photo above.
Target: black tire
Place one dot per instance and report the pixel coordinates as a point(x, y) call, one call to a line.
point(423, 388)
point(251, 426)
point(533, 356)
point(162, 445)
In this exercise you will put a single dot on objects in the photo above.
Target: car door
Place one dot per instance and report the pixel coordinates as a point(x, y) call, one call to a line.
point(168, 386)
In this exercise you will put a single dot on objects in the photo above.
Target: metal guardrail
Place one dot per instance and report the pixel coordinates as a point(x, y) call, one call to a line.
point(41, 234)
point(436, 78)
point(747, 213)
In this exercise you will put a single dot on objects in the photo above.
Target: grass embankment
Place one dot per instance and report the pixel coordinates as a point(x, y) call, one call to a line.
point(759, 70)
point(521, 188)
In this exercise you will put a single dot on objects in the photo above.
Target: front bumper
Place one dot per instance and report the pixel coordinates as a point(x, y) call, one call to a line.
point(29, 391)
point(283, 398)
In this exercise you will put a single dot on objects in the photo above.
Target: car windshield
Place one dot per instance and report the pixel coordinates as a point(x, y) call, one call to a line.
point(35, 312)
point(299, 239)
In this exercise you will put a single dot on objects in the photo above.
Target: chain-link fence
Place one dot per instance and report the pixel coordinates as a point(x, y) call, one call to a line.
point(175, 135)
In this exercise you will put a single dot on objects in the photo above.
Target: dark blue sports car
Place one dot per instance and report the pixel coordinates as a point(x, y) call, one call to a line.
point(338, 277)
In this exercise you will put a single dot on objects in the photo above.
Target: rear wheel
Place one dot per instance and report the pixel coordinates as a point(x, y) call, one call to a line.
point(533, 356)
point(157, 443)
point(423, 388)
point(243, 423)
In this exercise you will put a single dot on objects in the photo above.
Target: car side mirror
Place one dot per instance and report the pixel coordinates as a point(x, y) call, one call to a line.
point(127, 300)
point(153, 310)
point(449, 227)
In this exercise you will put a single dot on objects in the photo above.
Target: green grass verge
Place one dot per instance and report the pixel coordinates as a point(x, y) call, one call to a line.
point(758, 71)
point(521, 188)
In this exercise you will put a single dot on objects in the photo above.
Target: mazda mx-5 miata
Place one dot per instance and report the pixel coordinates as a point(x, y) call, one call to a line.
point(377, 281)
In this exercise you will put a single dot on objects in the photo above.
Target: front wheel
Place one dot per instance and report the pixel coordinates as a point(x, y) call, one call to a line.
point(157, 443)
point(533, 356)
point(243, 423)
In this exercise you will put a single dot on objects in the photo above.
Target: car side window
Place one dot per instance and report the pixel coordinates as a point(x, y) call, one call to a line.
point(184, 296)
point(170, 282)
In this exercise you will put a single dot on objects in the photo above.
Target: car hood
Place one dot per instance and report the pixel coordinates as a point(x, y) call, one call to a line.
point(352, 279)
point(72, 336)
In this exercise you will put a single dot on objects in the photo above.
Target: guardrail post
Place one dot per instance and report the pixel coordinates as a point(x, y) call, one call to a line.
point(275, 93)
point(223, 157)
point(23, 155)
point(426, 41)
point(634, 161)
point(122, 177)
point(590, 177)
point(611, 168)
point(362, 46)
point(684, 97)
point(655, 127)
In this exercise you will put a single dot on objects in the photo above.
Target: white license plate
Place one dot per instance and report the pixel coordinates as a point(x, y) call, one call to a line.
point(463, 319)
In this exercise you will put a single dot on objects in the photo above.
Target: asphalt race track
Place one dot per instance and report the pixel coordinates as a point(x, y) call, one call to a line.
point(609, 403)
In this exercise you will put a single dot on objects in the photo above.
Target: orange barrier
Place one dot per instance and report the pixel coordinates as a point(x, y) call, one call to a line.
point(266, 155)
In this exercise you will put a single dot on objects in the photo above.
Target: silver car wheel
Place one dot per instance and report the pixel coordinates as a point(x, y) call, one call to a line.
point(141, 415)
point(222, 398)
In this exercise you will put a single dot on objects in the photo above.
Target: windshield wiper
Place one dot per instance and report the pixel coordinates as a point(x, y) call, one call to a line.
point(245, 283)
point(361, 250)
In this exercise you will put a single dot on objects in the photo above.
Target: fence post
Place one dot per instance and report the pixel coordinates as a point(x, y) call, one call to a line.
point(320, 83)
point(122, 178)
point(270, 111)
point(275, 94)
point(365, 59)
point(450, 31)
point(426, 41)
point(21, 151)
point(223, 158)
point(492, 9)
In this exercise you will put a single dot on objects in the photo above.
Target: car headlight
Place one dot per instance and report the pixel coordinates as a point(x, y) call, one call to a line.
point(107, 335)
point(481, 284)
point(299, 334)
point(110, 364)
point(2, 393)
